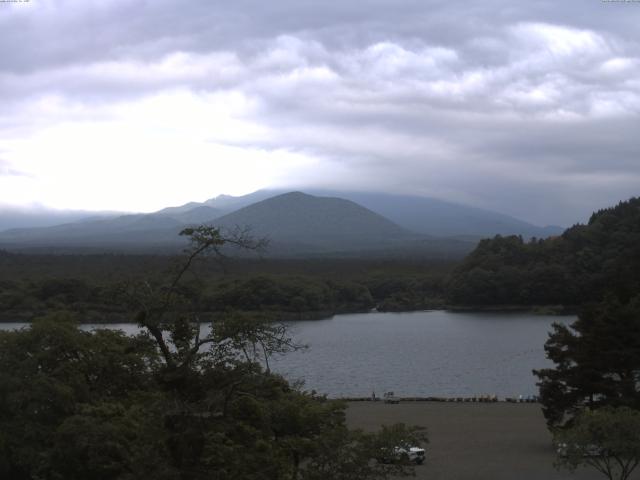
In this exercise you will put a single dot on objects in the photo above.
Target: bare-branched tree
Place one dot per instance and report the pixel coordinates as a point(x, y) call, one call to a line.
point(170, 312)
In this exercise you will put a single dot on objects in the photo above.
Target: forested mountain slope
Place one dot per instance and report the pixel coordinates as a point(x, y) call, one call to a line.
point(579, 266)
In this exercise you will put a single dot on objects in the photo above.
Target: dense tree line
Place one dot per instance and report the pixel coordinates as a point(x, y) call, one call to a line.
point(24, 299)
point(289, 293)
point(579, 266)
point(397, 292)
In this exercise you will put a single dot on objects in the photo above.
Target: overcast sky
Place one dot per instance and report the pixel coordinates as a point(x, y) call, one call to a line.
point(528, 108)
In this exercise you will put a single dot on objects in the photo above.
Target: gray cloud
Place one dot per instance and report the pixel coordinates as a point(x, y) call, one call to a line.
point(531, 109)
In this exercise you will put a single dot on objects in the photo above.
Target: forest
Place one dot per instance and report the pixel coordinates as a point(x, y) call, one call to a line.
point(92, 285)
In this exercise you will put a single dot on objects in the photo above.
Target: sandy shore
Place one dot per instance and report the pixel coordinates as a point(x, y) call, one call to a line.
point(474, 441)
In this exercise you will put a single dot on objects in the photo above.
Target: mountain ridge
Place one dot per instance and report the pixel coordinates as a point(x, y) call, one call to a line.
point(297, 224)
point(425, 215)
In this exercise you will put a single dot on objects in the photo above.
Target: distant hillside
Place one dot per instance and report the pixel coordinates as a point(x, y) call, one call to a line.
point(229, 203)
point(316, 222)
point(427, 216)
point(435, 217)
point(297, 224)
point(14, 217)
point(127, 232)
point(196, 215)
point(421, 215)
point(135, 231)
point(579, 266)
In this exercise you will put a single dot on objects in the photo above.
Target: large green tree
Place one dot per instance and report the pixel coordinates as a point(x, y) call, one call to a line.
point(607, 440)
point(55, 378)
point(597, 361)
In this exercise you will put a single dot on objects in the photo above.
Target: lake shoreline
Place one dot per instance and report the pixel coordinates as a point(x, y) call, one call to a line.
point(110, 318)
point(95, 317)
point(442, 399)
point(559, 310)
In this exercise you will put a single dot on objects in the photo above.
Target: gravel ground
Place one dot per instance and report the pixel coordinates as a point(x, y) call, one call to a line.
point(474, 441)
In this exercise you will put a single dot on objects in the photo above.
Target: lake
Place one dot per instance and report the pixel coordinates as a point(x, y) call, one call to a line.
point(431, 353)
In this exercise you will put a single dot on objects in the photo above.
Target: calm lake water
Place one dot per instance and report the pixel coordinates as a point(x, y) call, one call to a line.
point(433, 353)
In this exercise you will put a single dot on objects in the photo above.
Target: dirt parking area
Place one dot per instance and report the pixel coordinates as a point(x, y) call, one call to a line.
point(474, 441)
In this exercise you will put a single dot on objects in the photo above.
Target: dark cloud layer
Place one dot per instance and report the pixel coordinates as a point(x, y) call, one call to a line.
point(530, 108)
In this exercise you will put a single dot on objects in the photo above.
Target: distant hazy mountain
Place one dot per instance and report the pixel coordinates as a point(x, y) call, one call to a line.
point(198, 214)
point(439, 218)
point(423, 215)
point(154, 229)
point(428, 216)
point(127, 232)
point(228, 203)
point(15, 217)
point(172, 211)
point(300, 224)
point(319, 222)
point(297, 224)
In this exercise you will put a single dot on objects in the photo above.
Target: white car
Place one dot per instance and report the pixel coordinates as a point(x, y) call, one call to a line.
point(415, 454)
point(412, 454)
point(563, 450)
